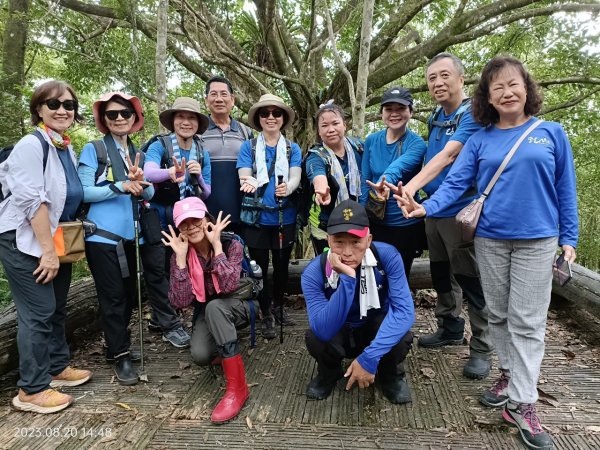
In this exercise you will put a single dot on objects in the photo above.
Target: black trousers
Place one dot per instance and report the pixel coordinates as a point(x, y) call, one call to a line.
point(117, 295)
point(350, 343)
point(410, 241)
point(41, 316)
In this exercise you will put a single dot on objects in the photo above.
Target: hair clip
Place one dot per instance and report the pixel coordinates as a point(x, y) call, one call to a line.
point(328, 103)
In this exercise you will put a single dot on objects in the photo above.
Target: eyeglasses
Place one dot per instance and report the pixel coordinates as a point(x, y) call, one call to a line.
point(54, 104)
point(276, 113)
point(114, 113)
point(223, 94)
point(186, 227)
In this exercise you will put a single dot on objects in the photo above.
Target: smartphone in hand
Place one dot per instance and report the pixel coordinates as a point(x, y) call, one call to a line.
point(562, 270)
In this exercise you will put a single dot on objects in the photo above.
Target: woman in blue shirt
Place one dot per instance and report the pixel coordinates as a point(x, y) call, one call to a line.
point(113, 193)
point(531, 209)
point(403, 148)
point(269, 168)
point(337, 160)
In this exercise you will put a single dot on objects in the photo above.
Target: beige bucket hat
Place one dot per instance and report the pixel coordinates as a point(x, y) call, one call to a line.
point(270, 100)
point(184, 104)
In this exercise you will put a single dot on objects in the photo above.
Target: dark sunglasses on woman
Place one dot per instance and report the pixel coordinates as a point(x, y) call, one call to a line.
point(277, 113)
point(54, 104)
point(114, 113)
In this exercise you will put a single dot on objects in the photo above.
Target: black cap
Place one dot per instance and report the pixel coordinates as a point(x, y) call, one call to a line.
point(348, 217)
point(397, 95)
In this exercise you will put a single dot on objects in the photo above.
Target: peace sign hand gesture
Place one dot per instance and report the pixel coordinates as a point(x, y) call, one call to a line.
point(408, 205)
point(381, 188)
point(135, 172)
point(177, 170)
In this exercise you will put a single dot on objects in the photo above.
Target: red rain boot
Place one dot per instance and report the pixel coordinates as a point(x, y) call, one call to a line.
point(236, 391)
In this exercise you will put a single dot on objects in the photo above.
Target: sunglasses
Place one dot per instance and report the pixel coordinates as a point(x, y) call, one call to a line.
point(54, 104)
point(277, 113)
point(114, 113)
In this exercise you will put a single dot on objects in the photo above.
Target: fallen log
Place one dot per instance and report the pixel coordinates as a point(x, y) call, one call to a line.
point(82, 311)
point(82, 306)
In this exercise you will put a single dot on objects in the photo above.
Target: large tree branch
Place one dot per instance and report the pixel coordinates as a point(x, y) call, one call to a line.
point(571, 102)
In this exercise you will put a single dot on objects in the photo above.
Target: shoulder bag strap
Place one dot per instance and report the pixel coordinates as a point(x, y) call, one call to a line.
point(509, 156)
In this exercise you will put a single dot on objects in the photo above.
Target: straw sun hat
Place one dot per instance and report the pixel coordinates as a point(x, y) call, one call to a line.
point(187, 104)
point(270, 100)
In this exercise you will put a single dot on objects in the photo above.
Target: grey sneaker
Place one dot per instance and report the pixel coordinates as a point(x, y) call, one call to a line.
point(177, 338)
point(524, 417)
point(496, 395)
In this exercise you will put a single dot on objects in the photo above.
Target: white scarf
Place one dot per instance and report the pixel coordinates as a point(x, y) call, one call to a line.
point(353, 173)
point(369, 296)
point(281, 162)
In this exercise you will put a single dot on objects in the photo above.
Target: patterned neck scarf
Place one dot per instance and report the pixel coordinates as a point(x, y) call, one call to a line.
point(353, 187)
point(58, 140)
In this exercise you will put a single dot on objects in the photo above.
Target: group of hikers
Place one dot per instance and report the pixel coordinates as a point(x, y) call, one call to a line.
point(212, 180)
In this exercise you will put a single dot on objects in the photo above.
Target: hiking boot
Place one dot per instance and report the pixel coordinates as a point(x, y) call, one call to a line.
point(476, 368)
point(153, 327)
point(133, 354)
point(287, 320)
point(496, 395)
point(177, 338)
point(126, 375)
point(396, 390)
point(525, 418)
point(441, 337)
point(45, 402)
point(268, 327)
point(70, 377)
point(320, 387)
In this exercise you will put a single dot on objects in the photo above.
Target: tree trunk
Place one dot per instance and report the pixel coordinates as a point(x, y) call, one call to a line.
point(161, 56)
point(13, 72)
point(362, 75)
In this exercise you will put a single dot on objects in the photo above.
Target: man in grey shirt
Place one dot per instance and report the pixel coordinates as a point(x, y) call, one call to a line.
point(223, 139)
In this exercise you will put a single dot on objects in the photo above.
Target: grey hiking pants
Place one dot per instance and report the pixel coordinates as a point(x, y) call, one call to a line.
point(517, 280)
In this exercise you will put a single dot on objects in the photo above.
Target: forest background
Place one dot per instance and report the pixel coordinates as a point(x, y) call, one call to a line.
point(307, 51)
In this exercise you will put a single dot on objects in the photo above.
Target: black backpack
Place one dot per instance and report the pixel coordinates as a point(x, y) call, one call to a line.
point(6, 151)
point(167, 192)
point(306, 190)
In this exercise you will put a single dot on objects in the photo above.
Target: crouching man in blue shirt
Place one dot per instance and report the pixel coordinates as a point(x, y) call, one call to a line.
point(359, 306)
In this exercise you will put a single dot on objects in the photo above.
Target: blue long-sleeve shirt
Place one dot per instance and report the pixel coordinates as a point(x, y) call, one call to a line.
point(535, 196)
point(329, 310)
point(109, 210)
point(381, 158)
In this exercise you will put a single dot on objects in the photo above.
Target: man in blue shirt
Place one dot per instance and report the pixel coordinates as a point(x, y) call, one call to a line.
point(359, 306)
point(452, 260)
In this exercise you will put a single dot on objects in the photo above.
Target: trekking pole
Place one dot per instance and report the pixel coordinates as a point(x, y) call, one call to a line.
point(138, 269)
point(280, 205)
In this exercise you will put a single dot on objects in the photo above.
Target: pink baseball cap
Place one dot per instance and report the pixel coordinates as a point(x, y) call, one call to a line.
point(188, 208)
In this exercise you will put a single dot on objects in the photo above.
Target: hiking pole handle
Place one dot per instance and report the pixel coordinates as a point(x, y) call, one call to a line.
point(278, 197)
point(195, 182)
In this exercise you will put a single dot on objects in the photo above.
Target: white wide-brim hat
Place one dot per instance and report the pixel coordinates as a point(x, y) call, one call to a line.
point(270, 100)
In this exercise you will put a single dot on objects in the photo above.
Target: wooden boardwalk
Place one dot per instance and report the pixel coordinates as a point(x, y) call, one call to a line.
point(172, 410)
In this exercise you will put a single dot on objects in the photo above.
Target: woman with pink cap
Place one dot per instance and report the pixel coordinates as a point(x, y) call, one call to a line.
point(113, 189)
point(206, 269)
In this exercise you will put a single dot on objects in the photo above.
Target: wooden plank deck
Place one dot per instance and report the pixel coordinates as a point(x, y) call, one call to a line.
point(172, 410)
